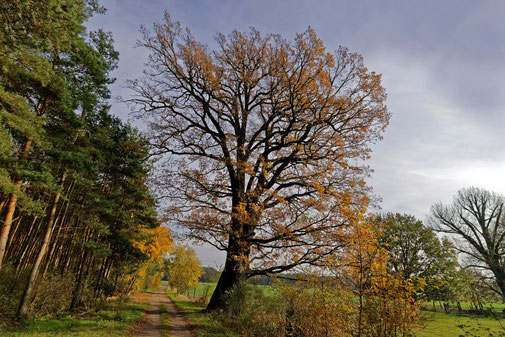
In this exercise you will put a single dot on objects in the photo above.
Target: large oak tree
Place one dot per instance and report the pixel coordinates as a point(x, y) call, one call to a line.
point(265, 140)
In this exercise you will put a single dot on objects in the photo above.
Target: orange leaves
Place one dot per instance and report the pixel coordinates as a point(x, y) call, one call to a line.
point(156, 243)
point(264, 136)
point(355, 295)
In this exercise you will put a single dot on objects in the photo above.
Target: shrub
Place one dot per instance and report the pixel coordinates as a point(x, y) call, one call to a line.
point(251, 313)
point(316, 307)
point(54, 294)
point(11, 288)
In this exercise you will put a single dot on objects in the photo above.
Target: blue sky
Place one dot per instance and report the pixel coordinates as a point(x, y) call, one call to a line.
point(443, 66)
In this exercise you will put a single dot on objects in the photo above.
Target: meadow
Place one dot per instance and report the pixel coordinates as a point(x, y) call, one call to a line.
point(440, 324)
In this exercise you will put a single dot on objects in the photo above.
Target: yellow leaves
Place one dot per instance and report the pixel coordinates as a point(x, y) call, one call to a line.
point(247, 213)
point(375, 294)
point(184, 269)
point(318, 187)
point(242, 167)
point(156, 243)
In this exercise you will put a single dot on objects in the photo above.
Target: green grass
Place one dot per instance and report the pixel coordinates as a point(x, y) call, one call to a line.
point(496, 307)
point(439, 324)
point(268, 290)
point(113, 320)
point(201, 290)
point(203, 323)
point(205, 288)
point(165, 321)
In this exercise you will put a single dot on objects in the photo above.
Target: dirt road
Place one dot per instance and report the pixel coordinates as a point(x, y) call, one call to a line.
point(151, 325)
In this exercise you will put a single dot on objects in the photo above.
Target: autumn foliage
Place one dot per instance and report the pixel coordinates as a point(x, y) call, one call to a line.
point(381, 301)
point(155, 244)
point(264, 138)
point(357, 294)
point(184, 269)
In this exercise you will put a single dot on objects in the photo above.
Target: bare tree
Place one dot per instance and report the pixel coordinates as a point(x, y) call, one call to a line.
point(476, 218)
point(264, 137)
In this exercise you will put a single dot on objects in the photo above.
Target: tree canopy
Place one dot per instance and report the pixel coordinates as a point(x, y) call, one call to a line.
point(184, 269)
point(417, 254)
point(265, 139)
point(74, 200)
point(475, 218)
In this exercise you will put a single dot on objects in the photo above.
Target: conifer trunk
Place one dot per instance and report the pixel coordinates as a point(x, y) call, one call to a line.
point(23, 307)
point(78, 286)
point(11, 207)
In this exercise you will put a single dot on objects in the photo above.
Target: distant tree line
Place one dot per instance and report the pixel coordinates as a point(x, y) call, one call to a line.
point(209, 275)
point(466, 263)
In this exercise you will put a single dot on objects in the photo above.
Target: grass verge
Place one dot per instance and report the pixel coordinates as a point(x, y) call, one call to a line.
point(165, 321)
point(439, 324)
point(114, 319)
point(204, 324)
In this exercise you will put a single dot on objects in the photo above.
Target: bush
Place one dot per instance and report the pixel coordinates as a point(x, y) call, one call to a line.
point(250, 313)
point(11, 289)
point(313, 309)
point(54, 294)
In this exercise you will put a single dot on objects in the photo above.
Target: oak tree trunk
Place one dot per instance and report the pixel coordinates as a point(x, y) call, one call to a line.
point(235, 272)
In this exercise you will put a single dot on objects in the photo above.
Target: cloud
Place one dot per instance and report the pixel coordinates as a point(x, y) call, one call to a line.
point(442, 66)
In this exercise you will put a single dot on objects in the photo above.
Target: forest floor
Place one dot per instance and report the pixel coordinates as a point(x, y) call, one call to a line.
point(154, 323)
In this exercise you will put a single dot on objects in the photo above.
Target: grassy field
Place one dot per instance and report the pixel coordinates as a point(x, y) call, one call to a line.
point(200, 291)
point(497, 308)
point(113, 320)
point(208, 288)
point(439, 324)
point(204, 289)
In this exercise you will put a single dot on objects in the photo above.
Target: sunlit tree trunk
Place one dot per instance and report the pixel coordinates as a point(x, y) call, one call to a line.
point(11, 206)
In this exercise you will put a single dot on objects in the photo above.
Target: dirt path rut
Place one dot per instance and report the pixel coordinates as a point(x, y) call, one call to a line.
point(151, 325)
